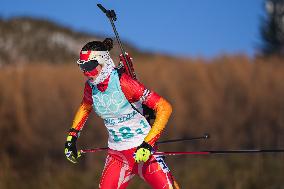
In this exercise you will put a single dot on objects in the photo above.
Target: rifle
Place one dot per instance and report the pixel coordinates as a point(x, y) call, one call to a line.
point(125, 60)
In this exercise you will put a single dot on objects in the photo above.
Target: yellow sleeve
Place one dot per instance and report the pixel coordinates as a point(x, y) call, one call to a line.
point(83, 112)
point(163, 110)
point(80, 118)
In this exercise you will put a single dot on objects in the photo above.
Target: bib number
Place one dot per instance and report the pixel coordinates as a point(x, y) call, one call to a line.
point(126, 132)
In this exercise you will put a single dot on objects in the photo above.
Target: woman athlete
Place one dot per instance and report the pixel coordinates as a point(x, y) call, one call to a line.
point(110, 92)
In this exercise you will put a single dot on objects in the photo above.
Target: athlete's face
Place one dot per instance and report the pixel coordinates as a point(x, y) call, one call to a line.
point(90, 68)
point(93, 74)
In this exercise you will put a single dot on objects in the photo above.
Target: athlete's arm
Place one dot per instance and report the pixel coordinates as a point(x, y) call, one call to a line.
point(81, 116)
point(83, 111)
point(135, 91)
point(163, 111)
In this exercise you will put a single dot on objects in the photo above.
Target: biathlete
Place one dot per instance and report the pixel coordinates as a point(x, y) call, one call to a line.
point(131, 141)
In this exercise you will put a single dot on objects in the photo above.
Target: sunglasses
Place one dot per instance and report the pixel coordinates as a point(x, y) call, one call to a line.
point(88, 66)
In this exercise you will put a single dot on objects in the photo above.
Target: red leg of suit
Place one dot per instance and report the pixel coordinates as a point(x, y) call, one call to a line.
point(116, 174)
point(157, 174)
point(120, 167)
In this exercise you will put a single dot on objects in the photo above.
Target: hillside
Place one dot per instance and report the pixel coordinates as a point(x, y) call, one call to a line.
point(24, 39)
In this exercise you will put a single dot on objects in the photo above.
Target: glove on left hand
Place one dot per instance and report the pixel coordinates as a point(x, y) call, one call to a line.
point(143, 152)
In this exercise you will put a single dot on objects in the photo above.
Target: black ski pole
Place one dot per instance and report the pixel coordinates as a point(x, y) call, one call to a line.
point(205, 136)
point(112, 17)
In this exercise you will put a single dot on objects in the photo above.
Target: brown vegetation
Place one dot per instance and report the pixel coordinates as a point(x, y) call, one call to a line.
point(239, 101)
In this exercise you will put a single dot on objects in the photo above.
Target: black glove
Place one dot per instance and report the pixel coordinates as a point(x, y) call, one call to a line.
point(70, 151)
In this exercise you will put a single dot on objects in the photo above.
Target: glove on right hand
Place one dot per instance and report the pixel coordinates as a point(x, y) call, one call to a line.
point(70, 151)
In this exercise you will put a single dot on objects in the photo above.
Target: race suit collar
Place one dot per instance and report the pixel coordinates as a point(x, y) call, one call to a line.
point(103, 85)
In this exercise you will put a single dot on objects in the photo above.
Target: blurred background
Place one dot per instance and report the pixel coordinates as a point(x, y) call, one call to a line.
point(220, 63)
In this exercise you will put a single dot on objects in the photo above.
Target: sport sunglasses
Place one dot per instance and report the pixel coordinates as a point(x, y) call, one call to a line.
point(88, 65)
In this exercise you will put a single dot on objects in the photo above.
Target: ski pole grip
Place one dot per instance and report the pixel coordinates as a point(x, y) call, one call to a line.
point(102, 8)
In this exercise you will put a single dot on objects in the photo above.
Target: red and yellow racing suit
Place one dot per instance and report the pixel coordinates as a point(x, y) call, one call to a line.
point(120, 166)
